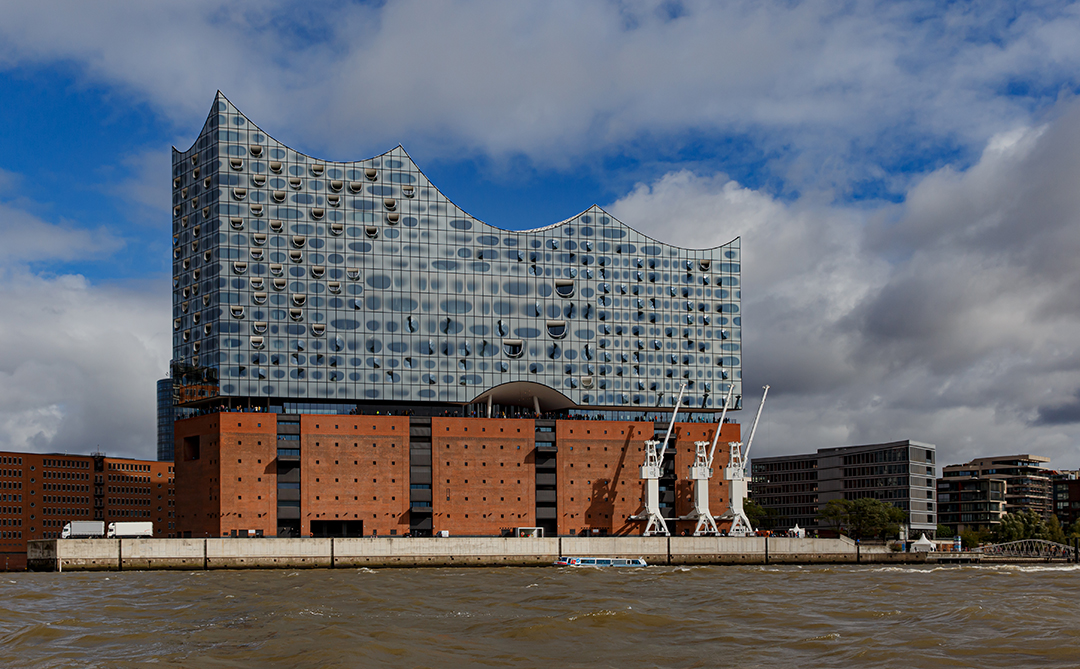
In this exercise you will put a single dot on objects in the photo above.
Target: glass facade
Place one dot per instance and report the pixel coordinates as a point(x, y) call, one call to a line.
point(797, 487)
point(303, 279)
point(165, 419)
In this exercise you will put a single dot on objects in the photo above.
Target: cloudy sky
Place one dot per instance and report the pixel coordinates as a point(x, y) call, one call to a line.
point(905, 178)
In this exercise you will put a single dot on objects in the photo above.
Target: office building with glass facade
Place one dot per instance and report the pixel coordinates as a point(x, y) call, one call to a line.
point(305, 286)
point(794, 488)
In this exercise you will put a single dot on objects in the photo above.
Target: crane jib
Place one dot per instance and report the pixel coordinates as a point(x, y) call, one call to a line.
point(720, 425)
point(671, 425)
point(750, 441)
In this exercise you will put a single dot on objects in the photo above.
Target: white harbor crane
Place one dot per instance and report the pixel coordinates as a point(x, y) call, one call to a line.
point(735, 473)
point(700, 473)
point(650, 474)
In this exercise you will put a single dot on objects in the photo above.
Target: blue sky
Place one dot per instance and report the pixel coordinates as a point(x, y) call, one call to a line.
point(902, 175)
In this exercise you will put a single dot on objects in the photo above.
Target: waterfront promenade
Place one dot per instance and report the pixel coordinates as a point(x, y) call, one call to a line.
point(270, 553)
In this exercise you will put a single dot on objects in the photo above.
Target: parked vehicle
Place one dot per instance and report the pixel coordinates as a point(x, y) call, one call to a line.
point(83, 529)
point(131, 530)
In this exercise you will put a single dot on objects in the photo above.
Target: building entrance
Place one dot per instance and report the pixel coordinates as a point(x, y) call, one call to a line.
point(337, 528)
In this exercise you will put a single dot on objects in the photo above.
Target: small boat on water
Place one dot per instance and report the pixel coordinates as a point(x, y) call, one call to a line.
point(599, 562)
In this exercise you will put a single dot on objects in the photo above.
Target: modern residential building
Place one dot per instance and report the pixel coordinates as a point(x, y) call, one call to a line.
point(40, 493)
point(1066, 486)
point(970, 503)
point(796, 487)
point(1027, 482)
point(458, 376)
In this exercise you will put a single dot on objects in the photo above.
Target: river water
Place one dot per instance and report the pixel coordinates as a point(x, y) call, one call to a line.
point(813, 616)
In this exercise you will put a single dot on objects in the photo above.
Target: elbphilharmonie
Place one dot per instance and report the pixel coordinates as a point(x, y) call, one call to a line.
point(309, 293)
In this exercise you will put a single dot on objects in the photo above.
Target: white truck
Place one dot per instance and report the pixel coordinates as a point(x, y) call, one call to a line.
point(83, 529)
point(130, 530)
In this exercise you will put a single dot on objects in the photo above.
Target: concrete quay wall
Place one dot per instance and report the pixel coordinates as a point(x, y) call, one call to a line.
point(269, 553)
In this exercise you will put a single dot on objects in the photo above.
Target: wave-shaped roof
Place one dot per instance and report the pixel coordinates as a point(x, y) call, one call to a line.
point(296, 277)
point(223, 104)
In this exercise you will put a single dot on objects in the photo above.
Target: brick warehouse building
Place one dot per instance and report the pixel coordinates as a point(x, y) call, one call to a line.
point(356, 475)
point(42, 492)
point(367, 358)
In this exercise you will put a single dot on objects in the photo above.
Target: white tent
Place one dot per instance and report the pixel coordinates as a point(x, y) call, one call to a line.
point(923, 545)
point(798, 531)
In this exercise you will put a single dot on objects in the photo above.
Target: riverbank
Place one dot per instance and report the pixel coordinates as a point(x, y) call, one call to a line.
point(280, 553)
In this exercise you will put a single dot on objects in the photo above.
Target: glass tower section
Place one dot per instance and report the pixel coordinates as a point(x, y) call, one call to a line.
point(165, 419)
point(304, 280)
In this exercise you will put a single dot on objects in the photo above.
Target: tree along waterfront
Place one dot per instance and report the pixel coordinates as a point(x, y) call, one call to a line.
point(864, 518)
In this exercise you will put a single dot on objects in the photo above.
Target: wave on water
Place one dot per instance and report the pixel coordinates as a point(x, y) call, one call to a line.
point(976, 568)
point(917, 569)
point(595, 614)
point(1029, 568)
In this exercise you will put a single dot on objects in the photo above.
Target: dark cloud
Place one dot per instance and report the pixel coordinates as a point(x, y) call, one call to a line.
point(1062, 414)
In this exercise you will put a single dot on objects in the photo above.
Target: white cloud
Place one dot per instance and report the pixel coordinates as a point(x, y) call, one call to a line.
point(78, 361)
point(560, 81)
point(9, 181)
point(28, 238)
point(951, 318)
point(803, 268)
point(149, 182)
point(78, 364)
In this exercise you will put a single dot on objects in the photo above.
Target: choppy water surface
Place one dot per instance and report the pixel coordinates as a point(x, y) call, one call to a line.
point(837, 616)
